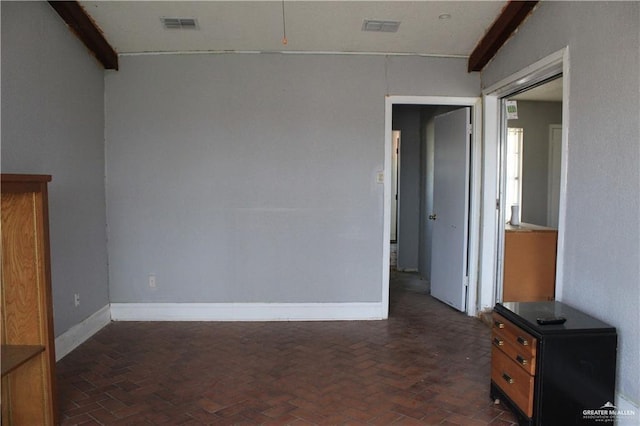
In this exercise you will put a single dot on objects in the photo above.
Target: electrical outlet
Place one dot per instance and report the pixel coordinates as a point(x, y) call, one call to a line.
point(152, 281)
point(76, 299)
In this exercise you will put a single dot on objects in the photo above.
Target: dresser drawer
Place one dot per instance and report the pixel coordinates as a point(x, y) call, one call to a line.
point(522, 357)
point(514, 335)
point(516, 383)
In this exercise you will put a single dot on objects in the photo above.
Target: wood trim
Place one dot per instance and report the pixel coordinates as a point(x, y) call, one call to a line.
point(16, 183)
point(11, 177)
point(87, 31)
point(512, 15)
point(13, 356)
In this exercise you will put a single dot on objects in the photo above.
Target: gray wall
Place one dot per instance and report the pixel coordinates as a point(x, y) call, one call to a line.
point(53, 123)
point(427, 144)
point(406, 118)
point(534, 118)
point(602, 235)
point(252, 178)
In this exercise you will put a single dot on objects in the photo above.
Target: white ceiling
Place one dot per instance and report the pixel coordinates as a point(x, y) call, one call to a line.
point(550, 91)
point(311, 26)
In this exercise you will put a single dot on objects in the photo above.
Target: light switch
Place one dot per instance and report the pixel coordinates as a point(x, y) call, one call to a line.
point(380, 177)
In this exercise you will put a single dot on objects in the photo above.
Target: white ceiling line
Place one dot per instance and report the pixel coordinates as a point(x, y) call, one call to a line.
point(291, 52)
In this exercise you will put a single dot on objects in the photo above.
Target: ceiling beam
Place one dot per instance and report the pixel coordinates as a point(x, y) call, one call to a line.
point(87, 31)
point(505, 24)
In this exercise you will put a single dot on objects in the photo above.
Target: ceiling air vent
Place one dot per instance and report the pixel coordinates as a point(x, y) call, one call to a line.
point(179, 23)
point(380, 26)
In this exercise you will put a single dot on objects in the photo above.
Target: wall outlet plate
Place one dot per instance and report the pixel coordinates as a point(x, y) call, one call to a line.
point(152, 281)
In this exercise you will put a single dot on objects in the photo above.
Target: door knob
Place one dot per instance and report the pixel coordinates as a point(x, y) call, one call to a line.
point(432, 217)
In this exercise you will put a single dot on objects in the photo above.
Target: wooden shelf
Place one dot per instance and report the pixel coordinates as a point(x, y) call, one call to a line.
point(13, 356)
point(528, 227)
point(26, 313)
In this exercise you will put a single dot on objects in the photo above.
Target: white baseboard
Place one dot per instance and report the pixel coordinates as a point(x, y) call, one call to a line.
point(629, 412)
point(245, 311)
point(76, 335)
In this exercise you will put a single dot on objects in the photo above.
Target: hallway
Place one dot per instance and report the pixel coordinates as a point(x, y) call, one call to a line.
point(426, 365)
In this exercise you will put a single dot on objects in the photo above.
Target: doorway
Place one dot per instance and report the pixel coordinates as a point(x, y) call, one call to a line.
point(496, 213)
point(530, 184)
point(468, 286)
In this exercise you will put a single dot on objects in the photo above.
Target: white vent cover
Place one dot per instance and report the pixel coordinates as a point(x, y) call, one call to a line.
point(179, 23)
point(380, 26)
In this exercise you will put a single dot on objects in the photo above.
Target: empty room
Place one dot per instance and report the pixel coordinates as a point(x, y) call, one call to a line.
point(299, 212)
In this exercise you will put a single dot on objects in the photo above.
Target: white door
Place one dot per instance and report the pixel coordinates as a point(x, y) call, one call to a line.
point(451, 208)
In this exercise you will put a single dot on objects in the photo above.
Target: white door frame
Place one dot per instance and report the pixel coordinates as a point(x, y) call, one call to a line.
point(492, 209)
point(396, 190)
point(474, 189)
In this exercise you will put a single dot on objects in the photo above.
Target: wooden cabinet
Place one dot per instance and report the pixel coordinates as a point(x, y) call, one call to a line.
point(551, 374)
point(28, 358)
point(513, 357)
point(529, 263)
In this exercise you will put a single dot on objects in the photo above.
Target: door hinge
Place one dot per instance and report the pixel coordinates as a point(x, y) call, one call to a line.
point(497, 203)
point(466, 281)
point(469, 128)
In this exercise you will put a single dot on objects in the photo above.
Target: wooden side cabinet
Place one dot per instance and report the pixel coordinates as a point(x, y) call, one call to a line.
point(529, 263)
point(28, 353)
point(552, 374)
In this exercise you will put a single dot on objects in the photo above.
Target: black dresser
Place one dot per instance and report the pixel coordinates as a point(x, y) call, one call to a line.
point(554, 374)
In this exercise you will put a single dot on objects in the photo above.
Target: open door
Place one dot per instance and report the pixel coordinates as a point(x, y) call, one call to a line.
point(451, 208)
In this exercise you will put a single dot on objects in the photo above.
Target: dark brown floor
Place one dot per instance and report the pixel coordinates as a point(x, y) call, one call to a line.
point(426, 365)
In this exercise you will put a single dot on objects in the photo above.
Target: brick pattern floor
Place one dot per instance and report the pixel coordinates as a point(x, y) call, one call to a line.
point(426, 365)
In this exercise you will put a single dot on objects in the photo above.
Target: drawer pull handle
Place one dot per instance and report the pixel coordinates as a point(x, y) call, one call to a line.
point(507, 378)
point(498, 342)
point(498, 324)
point(521, 360)
point(523, 341)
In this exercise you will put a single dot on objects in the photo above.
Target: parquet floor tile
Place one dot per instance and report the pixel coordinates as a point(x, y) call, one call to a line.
point(426, 365)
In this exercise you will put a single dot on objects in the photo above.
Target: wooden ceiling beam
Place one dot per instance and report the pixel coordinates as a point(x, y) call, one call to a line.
point(512, 15)
point(87, 31)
